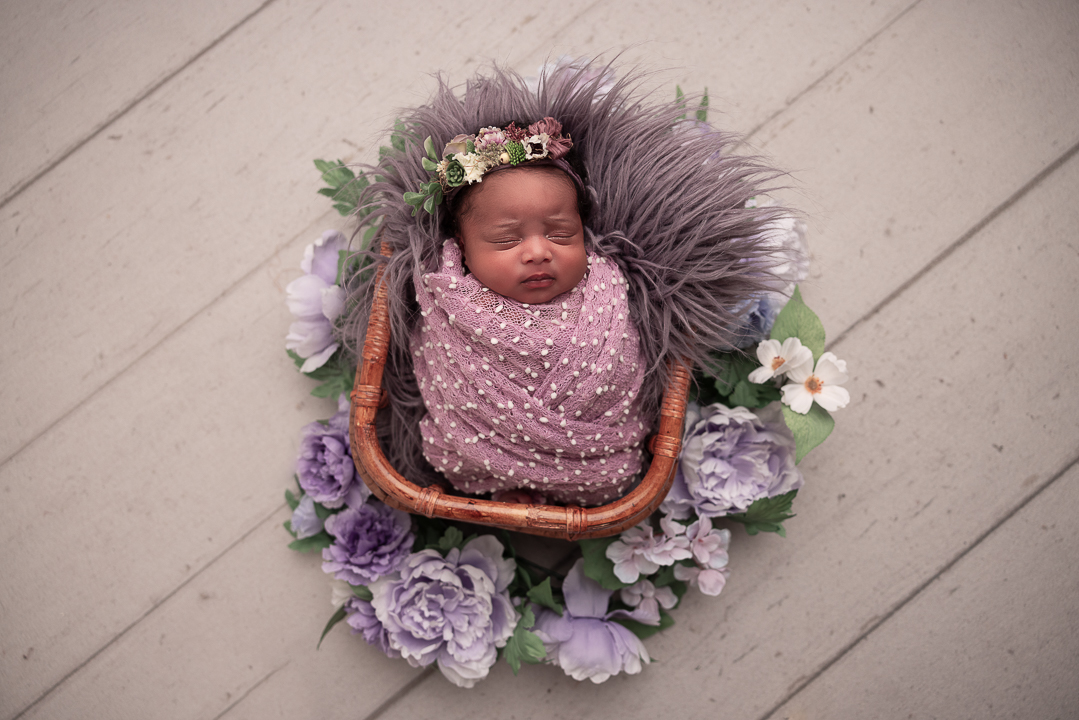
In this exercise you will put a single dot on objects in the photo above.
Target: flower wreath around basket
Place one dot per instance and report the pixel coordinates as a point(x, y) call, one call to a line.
point(433, 591)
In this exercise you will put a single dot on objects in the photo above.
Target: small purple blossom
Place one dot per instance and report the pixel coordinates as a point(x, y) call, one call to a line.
point(709, 548)
point(731, 458)
point(316, 301)
point(305, 521)
point(639, 551)
point(362, 619)
point(647, 599)
point(454, 610)
point(585, 641)
point(325, 468)
point(369, 542)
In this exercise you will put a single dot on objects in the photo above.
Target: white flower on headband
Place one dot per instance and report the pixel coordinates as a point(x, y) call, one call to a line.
point(474, 166)
point(536, 146)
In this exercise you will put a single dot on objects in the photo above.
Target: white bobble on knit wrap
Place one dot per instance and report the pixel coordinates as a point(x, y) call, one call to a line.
point(535, 397)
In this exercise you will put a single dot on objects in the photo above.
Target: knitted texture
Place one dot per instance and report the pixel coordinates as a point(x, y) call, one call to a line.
point(539, 397)
point(669, 200)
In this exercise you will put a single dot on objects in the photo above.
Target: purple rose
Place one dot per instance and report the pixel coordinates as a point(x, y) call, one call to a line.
point(361, 618)
point(731, 458)
point(369, 541)
point(452, 610)
point(316, 301)
point(325, 467)
point(584, 641)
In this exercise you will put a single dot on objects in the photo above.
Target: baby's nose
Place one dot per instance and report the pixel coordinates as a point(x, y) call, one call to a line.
point(536, 249)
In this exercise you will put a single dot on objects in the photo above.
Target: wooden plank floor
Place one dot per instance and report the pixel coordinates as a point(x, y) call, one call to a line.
point(156, 192)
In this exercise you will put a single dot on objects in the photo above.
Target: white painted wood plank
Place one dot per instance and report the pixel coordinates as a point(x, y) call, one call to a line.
point(210, 174)
point(966, 391)
point(68, 68)
point(253, 616)
point(996, 636)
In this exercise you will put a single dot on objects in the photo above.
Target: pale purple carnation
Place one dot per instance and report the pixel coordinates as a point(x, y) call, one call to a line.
point(325, 467)
point(730, 459)
point(305, 521)
point(454, 610)
point(316, 301)
point(489, 136)
point(585, 641)
point(362, 619)
point(369, 542)
point(639, 551)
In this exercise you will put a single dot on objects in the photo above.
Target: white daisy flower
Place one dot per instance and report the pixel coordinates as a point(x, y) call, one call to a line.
point(777, 359)
point(818, 385)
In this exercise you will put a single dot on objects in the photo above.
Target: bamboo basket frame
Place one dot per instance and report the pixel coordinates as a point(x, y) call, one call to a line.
point(569, 522)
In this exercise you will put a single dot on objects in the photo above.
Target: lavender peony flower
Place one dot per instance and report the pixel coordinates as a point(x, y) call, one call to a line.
point(638, 551)
point(454, 610)
point(305, 522)
point(362, 619)
point(369, 542)
point(584, 641)
point(325, 467)
point(730, 458)
point(316, 301)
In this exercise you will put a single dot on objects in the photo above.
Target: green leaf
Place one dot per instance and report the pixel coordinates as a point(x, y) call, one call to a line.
point(397, 139)
point(288, 527)
point(680, 99)
point(414, 198)
point(337, 617)
point(597, 565)
point(767, 514)
point(809, 430)
point(323, 512)
point(452, 538)
point(702, 111)
point(429, 204)
point(543, 596)
point(751, 395)
point(797, 320)
point(362, 592)
point(646, 631)
point(429, 146)
point(524, 645)
point(428, 165)
point(291, 499)
point(313, 543)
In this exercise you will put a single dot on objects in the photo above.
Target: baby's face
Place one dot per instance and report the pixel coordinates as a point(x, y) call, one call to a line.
point(522, 235)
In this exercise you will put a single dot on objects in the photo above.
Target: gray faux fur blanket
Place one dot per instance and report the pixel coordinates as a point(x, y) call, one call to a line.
point(669, 199)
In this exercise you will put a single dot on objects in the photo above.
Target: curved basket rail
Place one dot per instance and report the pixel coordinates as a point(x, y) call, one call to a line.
point(569, 522)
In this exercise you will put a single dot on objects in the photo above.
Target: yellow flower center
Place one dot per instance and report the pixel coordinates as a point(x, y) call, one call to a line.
point(813, 384)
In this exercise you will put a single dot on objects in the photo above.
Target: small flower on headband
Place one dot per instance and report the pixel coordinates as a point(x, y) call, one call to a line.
point(466, 158)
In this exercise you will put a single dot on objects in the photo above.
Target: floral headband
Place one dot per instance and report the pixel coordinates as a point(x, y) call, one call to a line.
point(466, 158)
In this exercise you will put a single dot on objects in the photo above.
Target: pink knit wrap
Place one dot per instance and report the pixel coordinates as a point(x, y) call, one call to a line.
point(540, 397)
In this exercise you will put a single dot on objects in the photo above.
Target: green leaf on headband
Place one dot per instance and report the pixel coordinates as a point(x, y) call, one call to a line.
point(767, 514)
point(414, 198)
point(809, 430)
point(337, 617)
point(797, 320)
point(428, 164)
point(429, 146)
point(702, 111)
point(429, 204)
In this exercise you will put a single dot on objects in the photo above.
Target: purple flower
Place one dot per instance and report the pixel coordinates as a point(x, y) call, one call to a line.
point(453, 610)
point(305, 522)
point(325, 467)
point(369, 541)
point(361, 618)
point(731, 458)
point(584, 641)
point(638, 551)
point(710, 554)
point(647, 599)
point(316, 301)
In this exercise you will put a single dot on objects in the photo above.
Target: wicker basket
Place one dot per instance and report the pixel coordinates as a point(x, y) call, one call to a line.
point(569, 522)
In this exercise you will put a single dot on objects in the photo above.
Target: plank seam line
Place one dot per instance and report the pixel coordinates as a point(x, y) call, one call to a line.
point(111, 119)
point(250, 690)
point(919, 589)
point(153, 608)
point(958, 243)
point(827, 73)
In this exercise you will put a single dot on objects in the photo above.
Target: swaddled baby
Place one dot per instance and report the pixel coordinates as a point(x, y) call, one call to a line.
point(526, 357)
